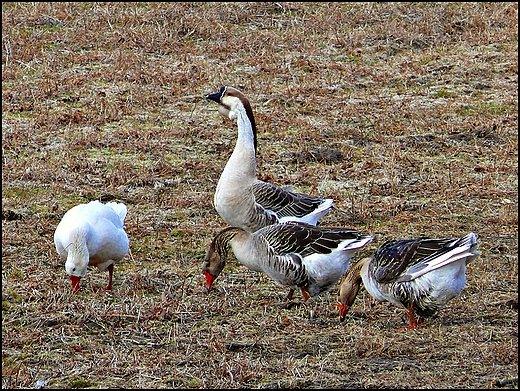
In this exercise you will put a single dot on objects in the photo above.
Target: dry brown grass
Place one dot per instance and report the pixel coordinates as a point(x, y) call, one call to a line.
point(404, 113)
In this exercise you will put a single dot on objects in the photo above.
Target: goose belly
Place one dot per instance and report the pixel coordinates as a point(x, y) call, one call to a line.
point(442, 285)
point(326, 269)
point(430, 291)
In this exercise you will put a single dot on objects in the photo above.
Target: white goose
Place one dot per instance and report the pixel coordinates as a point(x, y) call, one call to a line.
point(421, 275)
point(241, 199)
point(294, 254)
point(92, 235)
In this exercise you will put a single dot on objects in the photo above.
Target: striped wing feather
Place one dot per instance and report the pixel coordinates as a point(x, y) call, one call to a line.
point(305, 239)
point(284, 202)
point(402, 259)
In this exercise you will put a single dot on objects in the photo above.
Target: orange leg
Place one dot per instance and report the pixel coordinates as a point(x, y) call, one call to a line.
point(110, 273)
point(413, 323)
point(305, 294)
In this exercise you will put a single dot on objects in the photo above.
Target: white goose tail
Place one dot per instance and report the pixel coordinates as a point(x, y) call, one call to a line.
point(465, 248)
point(313, 217)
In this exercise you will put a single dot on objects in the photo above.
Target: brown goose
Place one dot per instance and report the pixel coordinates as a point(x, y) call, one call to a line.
point(421, 275)
point(241, 199)
point(294, 254)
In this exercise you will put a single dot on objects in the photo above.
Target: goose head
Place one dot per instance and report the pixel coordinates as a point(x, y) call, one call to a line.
point(349, 287)
point(77, 254)
point(76, 270)
point(214, 263)
point(218, 253)
point(231, 102)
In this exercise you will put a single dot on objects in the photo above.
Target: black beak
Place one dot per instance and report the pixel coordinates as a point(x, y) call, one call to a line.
point(217, 95)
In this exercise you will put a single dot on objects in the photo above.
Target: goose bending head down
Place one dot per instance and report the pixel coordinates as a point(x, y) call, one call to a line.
point(241, 199)
point(421, 275)
point(92, 235)
point(294, 254)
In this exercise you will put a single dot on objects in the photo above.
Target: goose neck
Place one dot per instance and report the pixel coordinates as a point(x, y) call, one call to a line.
point(246, 127)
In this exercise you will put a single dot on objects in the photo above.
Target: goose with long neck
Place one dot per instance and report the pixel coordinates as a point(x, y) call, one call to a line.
point(294, 254)
point(241, 199)
point(421, 274)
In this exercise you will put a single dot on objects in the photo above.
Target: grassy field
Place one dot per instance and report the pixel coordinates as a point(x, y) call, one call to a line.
point(406, 114)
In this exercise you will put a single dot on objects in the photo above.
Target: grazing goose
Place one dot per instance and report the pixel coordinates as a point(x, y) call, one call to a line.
point(92, 235)
point(241, 199)
point(421, 275)
point(294, 254)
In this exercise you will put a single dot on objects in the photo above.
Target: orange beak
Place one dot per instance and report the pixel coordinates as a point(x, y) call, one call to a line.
point(209, 279)
point(75, 283)
point(342, 311)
